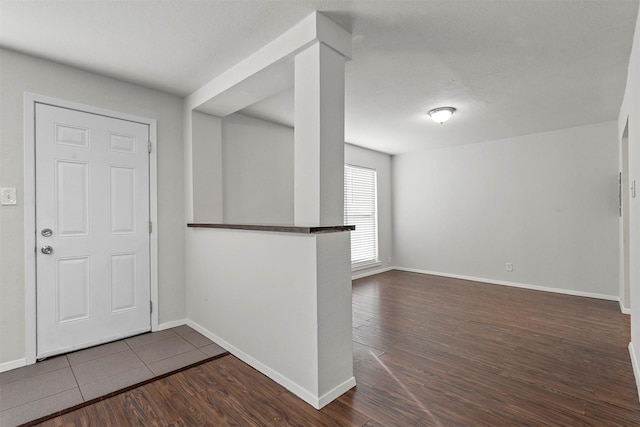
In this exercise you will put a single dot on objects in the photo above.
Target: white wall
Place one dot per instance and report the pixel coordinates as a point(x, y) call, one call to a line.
point(545, 202)
point(257, 171)
point(631, 109)
point(381, 162)
point(279, 301)
point(21, 73)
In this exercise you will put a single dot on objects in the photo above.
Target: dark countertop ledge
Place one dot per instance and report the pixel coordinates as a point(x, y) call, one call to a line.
point(277, 228)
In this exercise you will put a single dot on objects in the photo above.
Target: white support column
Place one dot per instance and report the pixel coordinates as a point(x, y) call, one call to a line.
point(319, 136)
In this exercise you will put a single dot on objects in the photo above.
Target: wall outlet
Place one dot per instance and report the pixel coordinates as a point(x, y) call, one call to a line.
point(8, 196)
point(509, 266)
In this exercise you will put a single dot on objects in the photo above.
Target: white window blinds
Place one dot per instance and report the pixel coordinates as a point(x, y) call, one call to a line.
point(361, 210)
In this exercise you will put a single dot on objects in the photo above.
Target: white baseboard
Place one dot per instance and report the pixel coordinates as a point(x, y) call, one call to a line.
point(371, 272)
point(171, 324)
point(338, 391)
point(636, 366)
point(624, 310)
point(7, 366)
point(213, 337)
point(304, 394)
point(513, 284)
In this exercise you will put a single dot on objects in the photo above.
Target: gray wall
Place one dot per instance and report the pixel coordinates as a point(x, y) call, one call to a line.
point(630, 110)
point(207, 168)
point(257, 159)
point(545, 202)
point(20, 73)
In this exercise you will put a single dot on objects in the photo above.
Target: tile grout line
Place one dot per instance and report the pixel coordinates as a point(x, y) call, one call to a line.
point(73, 372)
point(133, 351)
point(34, 376)
point(45, 396)
point(168, 357)
point(35, 401)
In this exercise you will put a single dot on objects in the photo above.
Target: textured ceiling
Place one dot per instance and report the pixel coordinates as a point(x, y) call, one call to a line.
point(510, 67)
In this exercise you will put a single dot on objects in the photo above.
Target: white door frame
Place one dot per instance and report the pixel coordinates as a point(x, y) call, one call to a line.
point(625, 304)
point(30, 99)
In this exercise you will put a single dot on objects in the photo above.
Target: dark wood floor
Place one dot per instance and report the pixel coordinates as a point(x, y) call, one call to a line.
point(428, 351)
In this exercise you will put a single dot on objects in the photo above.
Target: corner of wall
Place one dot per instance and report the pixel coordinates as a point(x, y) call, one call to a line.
point(636, 366)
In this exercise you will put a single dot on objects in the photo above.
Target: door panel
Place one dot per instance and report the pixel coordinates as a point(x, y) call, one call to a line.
point(72, 289)
point(92, 191)
point(122, 275)
point(122, 199)
point(71, 198)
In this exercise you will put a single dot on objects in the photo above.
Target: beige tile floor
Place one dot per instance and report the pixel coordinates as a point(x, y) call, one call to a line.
point(58, 383)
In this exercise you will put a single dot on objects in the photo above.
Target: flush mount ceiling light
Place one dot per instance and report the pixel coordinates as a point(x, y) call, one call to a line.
point(442, 114)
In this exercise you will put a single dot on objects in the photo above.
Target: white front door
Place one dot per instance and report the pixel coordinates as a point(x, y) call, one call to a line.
point(92, 229)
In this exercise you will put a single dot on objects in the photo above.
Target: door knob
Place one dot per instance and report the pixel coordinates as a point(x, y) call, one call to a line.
point(46, 250)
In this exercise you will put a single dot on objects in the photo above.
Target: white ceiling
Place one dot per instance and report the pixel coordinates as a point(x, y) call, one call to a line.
point(510, 67)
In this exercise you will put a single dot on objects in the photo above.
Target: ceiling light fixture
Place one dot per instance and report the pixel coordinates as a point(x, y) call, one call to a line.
point(442, 114)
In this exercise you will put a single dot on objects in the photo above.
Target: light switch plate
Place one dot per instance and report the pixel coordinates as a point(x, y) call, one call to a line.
point(8, 196)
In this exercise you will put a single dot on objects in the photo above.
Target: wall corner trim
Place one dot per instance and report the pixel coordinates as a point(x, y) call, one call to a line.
point(624, 310)
point(336, 392)
point(635, 365)
point(171, 324)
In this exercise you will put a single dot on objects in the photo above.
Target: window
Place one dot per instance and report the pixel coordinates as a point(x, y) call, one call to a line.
point(361, 210)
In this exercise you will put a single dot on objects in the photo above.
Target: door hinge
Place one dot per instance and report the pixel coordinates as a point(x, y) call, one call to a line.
point(149, 146)
point(150, 227)
point(150, 306)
